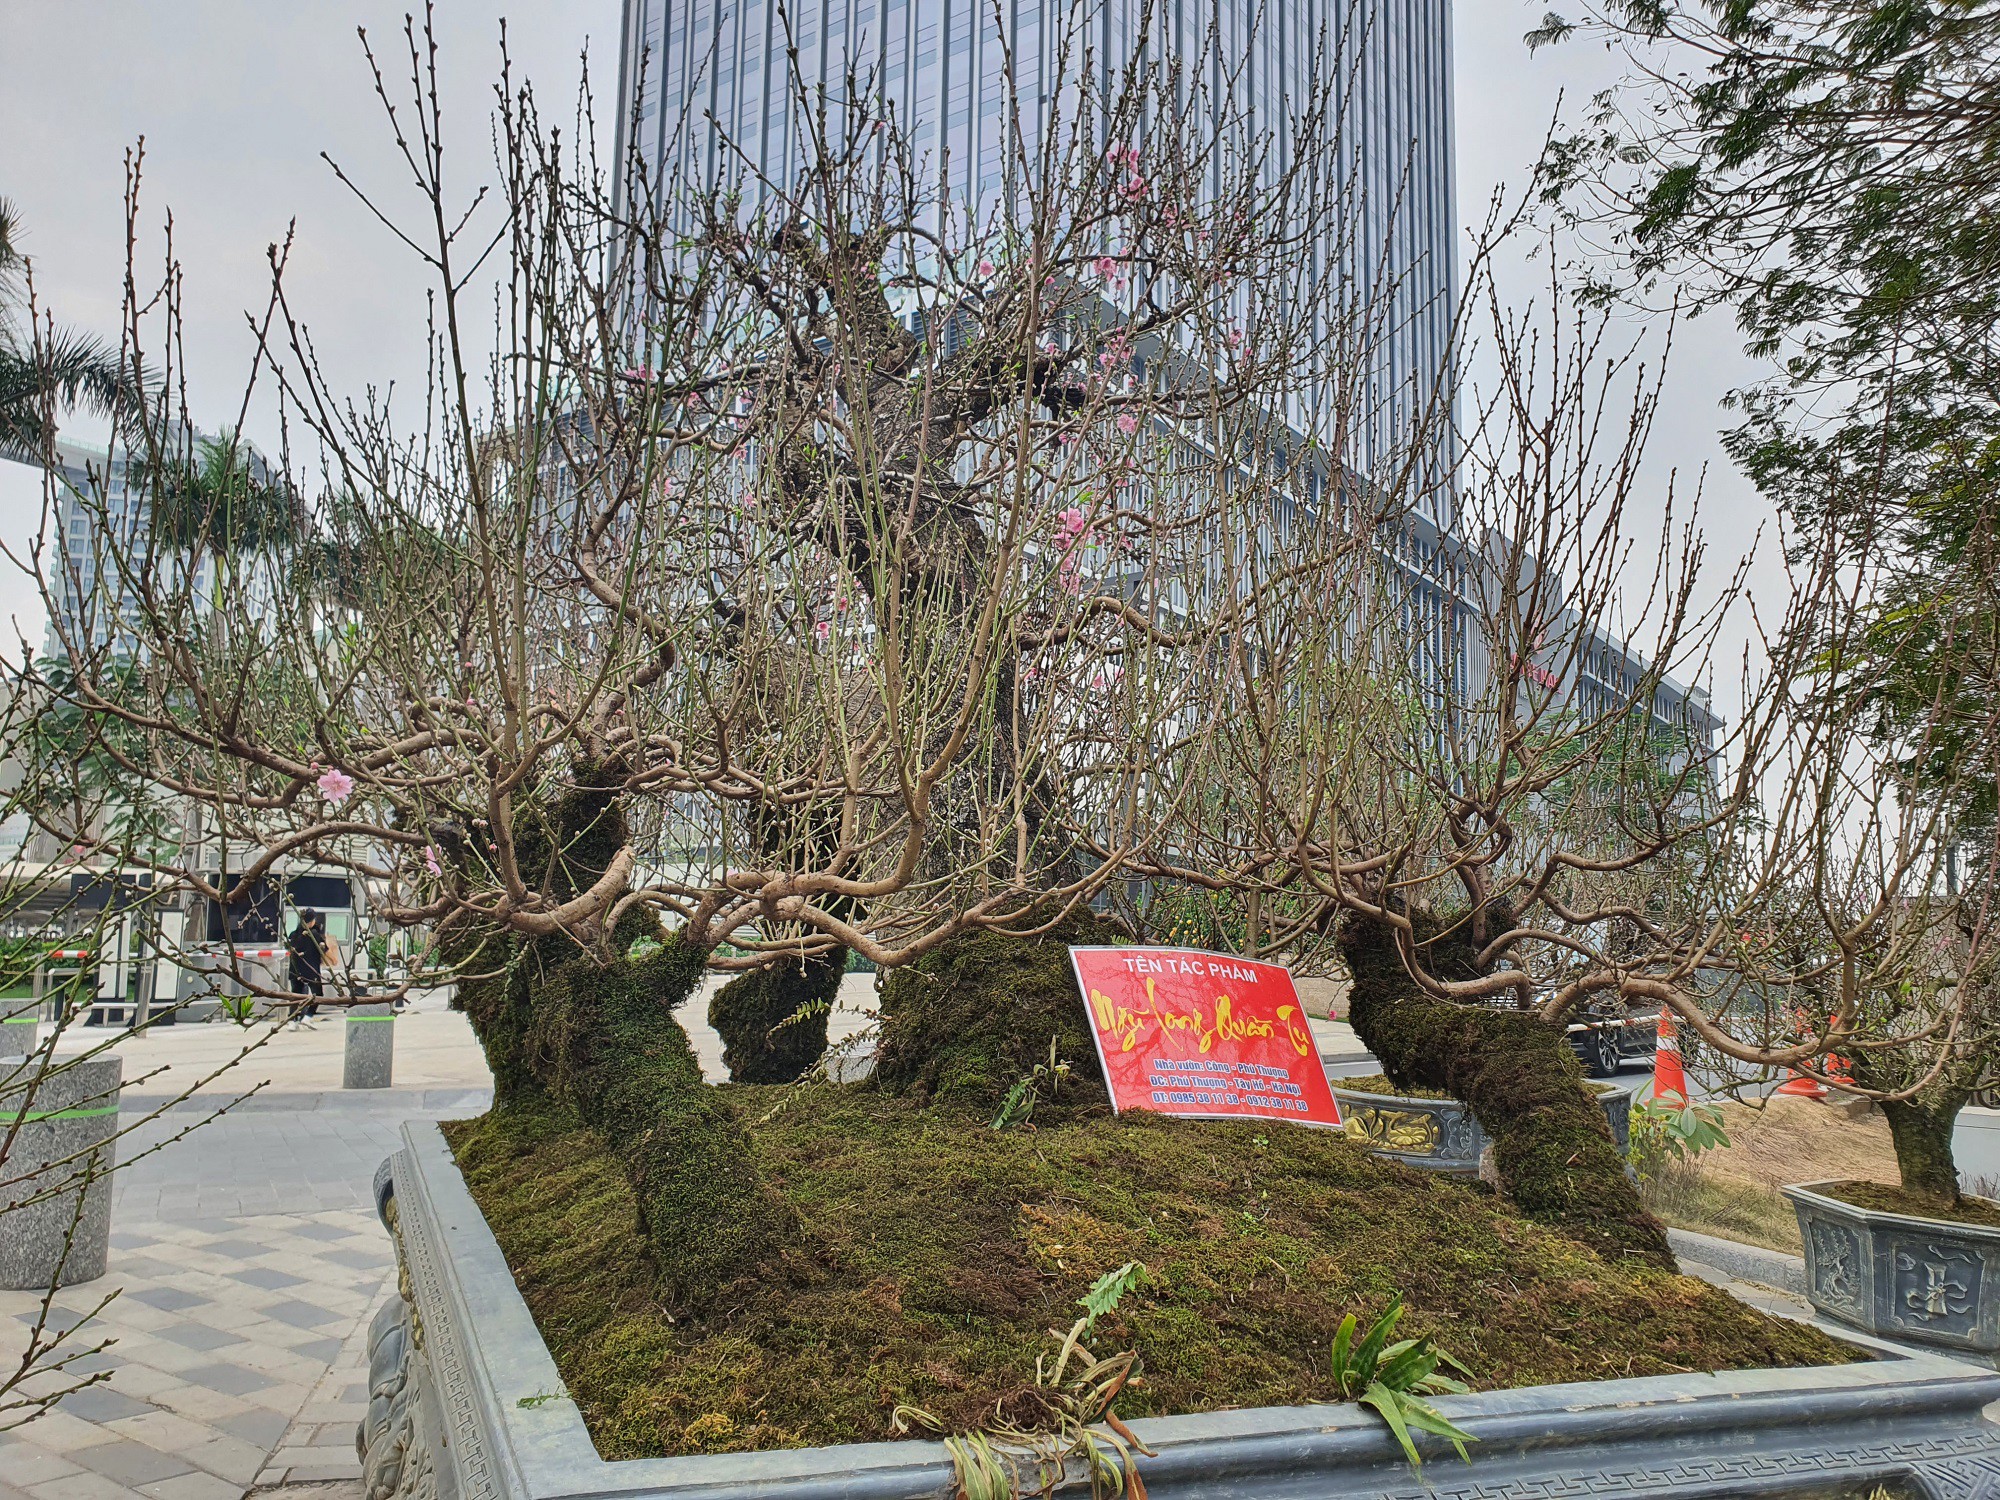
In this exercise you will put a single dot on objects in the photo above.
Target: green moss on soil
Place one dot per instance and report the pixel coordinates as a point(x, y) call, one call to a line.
point(1883, 1198)
point(930, 1256)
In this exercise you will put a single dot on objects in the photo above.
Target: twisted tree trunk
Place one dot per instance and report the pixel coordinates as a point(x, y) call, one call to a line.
point(1551, 1144)
point(606, 1044)
point(772, 1021)
point(1921, 1130)
point(577, 1019)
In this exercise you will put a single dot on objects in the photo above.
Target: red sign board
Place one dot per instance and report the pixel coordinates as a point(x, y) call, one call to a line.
point(1203, 1035)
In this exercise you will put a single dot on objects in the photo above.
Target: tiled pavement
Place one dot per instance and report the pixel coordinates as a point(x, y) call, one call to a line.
point(248, 1259)
point(272, 1153)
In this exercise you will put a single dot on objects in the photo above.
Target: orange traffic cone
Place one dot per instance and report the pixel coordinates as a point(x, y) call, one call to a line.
point(1669, 1077)
point(1795, 1085)
point(1801, 1087)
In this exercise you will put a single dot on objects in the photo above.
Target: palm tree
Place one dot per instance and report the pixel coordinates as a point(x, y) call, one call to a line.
point(221, 499)
point(68, 369)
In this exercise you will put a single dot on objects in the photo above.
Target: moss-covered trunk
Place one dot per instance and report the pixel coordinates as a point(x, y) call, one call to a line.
point(979, 1012)
point(1922, 1134)
point(772, 1021)
point(1551, 1144)
point(576, 1018)
point(606, 1043)
point(495, 1001)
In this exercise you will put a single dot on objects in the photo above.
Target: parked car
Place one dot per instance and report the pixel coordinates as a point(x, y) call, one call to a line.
point(1607, 1034)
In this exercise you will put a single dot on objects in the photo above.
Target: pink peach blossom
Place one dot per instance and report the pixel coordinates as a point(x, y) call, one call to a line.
point(336, 786)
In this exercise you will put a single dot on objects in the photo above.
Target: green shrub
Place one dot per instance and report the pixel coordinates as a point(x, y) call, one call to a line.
point(1667, 1138)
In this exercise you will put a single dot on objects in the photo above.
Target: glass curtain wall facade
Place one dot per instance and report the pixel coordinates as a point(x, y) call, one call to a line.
point(707, 99)
point(706, 85)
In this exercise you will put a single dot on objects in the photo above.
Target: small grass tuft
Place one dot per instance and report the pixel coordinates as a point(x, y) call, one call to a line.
point(1731, 1208)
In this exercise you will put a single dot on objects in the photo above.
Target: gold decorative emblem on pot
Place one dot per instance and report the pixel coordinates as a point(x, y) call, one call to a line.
point(1409, 1130)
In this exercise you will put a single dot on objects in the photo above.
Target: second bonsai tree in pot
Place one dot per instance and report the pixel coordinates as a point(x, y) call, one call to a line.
point(1918, 1261)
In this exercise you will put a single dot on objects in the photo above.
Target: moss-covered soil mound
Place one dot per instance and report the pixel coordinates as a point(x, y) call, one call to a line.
point(931, 1255)
point(1376, 1083)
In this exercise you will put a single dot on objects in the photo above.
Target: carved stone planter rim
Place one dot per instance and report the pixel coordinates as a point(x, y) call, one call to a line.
point(507, 1439)
point(1862, 1268)
point(1460, 1137)
point(1809, 1192)
point(1457, 1135)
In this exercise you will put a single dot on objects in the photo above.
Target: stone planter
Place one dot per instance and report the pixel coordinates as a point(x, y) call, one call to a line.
point(466, 1404)
point(1441, 1135)
point(63, 1144)
point(20, 1016)
point(1920, 1281)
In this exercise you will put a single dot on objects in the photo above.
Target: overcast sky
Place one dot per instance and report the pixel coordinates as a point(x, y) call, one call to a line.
point(236, 99)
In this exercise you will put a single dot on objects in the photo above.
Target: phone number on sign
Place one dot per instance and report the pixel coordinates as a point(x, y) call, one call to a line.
point(1272, 1088)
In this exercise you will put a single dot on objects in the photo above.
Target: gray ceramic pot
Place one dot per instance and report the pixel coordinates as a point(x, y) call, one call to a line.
point(466, 1404)
point(1921, 1281)
point(1441, 1135)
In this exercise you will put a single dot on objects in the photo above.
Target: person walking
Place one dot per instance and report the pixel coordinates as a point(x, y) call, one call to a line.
point(311, 951)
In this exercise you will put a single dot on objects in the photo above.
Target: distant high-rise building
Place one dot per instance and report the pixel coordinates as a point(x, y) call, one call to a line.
point(1580, 670)
point(708, 84)
point(100, 517)
point(104, 553)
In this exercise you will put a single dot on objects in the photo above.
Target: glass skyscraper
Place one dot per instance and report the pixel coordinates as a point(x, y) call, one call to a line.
point(707, 85)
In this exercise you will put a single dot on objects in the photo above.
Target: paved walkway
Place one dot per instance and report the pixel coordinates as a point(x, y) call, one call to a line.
point(246, 1258)
point(226, 1367)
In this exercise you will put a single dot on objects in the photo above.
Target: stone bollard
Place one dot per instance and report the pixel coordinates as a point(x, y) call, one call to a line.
point(18, 1019)
point(371, 1045)
point(64, 1141)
